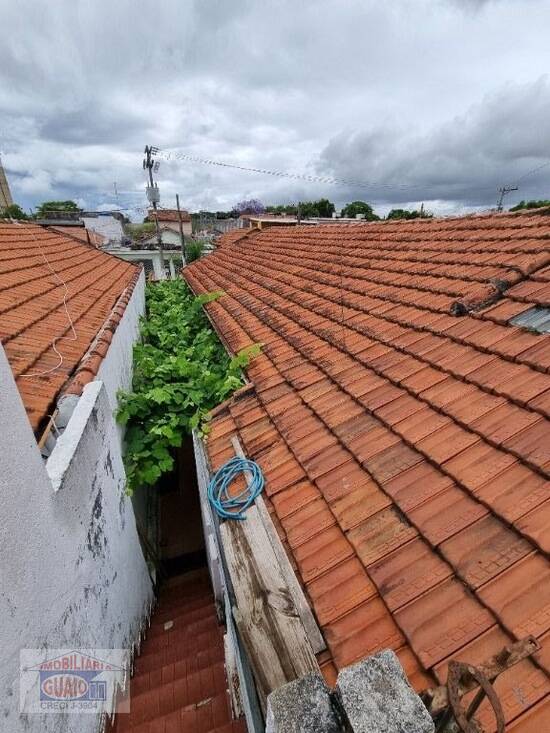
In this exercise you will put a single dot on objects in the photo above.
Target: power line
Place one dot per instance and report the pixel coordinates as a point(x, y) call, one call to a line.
point(334, 181)
point(533, 170)
point(169, 155)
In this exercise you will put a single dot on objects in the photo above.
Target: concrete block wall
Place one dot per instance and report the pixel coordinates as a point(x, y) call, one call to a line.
point(372, 696)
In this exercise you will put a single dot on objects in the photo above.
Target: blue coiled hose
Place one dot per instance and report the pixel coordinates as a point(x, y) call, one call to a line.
point(234, 507)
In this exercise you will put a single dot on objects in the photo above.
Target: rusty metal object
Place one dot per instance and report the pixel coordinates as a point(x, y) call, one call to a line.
point(437, 699)
point(460, 673)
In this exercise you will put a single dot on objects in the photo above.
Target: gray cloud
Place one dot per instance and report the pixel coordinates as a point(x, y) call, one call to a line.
point(453, 105)
point(465, 159)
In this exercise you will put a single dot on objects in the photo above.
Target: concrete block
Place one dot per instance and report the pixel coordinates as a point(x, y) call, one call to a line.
point(377, 698)
point(302, 706)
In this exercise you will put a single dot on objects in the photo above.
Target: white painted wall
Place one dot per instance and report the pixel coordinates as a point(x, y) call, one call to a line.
point(116, 369)
point(72, 573)
point(106, 225)
point(140, 255)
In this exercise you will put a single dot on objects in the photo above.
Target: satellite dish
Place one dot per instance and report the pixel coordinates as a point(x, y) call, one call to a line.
point(156, 166)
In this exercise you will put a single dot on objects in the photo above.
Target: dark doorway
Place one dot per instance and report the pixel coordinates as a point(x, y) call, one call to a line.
point(181, 533)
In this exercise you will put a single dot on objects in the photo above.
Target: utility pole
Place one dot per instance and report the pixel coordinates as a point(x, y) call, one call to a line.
point(299, 213)
point(181, 230)
point(154, 196)
point(503, 191)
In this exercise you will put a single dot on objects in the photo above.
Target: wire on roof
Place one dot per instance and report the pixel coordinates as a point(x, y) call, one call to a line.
point(62, 282)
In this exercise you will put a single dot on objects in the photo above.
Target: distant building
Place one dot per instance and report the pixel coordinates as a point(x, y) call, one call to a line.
point(5, 193)
point(108, 225)
point(149, 257)
point(169, 219)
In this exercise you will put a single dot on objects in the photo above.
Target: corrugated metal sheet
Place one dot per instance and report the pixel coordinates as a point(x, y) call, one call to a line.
point(536, 319)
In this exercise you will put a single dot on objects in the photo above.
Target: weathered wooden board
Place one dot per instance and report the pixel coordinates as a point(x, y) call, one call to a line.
point(304, 610)
point(266, 616)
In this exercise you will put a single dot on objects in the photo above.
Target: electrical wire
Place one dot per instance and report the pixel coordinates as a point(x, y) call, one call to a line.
point(334, 181)
point(226, 505)
point(62, 282)
point(169, 155)
point(533, 170)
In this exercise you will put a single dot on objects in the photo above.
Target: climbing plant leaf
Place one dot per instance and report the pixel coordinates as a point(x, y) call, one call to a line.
point(181, 371)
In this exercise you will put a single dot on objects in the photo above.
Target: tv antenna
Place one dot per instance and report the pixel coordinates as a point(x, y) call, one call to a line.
point(503, 192)
point(153, 194)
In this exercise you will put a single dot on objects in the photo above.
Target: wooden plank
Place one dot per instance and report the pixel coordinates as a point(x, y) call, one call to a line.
point(300, 601)
point(232, 677)
point(209, 526)
point(266, 617)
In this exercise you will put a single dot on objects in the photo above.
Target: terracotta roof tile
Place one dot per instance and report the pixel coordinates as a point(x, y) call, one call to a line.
point(409, 465)
point(36, 265)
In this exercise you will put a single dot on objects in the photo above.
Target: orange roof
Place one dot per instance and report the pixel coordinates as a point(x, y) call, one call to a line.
point(168, 215)
point(406, 449)
point(89, 236)
point(35, 266)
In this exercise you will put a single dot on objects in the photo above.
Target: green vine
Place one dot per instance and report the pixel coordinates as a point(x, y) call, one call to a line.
point(181, 371)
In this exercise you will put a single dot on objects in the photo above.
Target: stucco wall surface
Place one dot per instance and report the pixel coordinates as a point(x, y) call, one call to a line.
point(72, 573)
point(116, 369)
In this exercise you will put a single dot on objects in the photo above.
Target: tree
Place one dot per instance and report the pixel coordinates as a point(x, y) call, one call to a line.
point(282, 209)
point(45, 210)
point(360, 207)
point(250, 206)
point(407, 214)
point(14, 211)
point(530, 205)
point(323, 208)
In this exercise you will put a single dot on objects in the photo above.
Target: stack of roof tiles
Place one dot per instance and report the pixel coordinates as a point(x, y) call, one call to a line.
point(82, 234)
point(179, 685)
point(171, 215)
point(41, 271)
point(402, 426)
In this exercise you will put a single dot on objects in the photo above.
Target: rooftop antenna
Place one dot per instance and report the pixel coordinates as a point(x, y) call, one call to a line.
point(153, 194)
point(503, 191)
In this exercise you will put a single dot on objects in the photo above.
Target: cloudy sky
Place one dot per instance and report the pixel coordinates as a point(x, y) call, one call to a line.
point(440, 101)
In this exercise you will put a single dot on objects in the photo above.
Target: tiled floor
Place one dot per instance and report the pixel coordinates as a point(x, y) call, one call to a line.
point(179, 685)
point(402, 426)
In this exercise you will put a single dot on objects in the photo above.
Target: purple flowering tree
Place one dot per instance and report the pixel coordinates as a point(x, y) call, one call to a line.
point(252, 206)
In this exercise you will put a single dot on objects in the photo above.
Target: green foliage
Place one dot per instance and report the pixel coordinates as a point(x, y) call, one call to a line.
point(55, 207)
point(282, 209)
point(407, 214)
point(308, 209)
point(181, 371)
point(14, 211)
point(194, 248)
point(530, 205)
point(360, 207)
point(322, 207)
point(137, 231)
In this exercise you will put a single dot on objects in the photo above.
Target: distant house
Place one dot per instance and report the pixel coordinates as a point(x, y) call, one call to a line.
point(149, 257)
point(141, 247)
point(107, 225)
point(169, 219)
point(73, 573)
point(170, 239)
